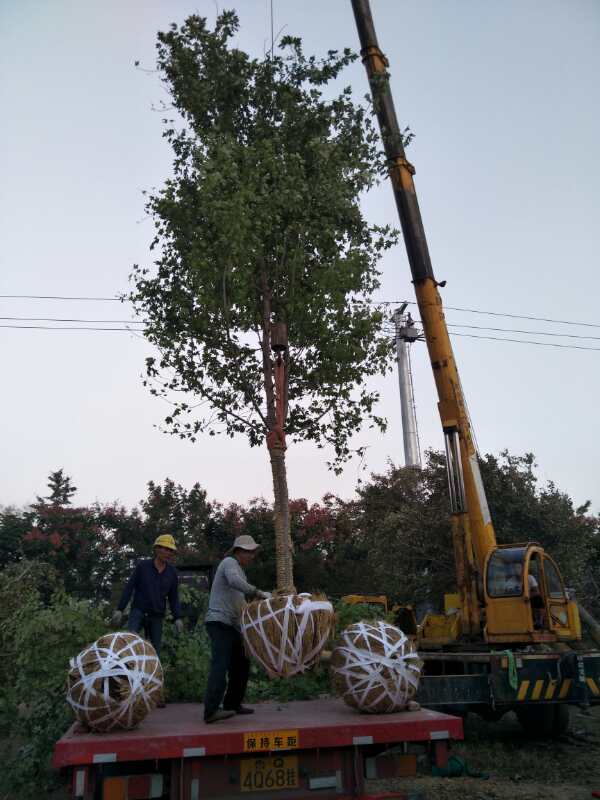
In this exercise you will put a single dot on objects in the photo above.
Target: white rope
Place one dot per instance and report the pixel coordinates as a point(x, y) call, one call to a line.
point(379, 668)
point(136, 667)
point(282, 654)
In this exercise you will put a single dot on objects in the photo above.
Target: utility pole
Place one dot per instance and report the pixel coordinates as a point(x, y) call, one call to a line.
point(406, 334)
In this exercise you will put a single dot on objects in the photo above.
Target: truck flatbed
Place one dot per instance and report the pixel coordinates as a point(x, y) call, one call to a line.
point(281, 752)
point(178, 731)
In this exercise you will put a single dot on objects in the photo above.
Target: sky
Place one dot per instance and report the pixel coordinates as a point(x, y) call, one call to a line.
point(503, 101)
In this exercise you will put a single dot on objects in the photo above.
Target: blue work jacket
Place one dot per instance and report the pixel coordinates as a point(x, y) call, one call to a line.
point(151, 588)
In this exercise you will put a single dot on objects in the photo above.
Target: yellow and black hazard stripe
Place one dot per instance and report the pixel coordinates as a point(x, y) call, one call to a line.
point(593, 687)
point(550, 689)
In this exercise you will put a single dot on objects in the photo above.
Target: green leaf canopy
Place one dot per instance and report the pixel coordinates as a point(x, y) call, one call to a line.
point(261, 222)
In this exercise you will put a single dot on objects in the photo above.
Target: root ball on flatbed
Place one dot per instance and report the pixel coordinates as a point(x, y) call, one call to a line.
point(114, 682)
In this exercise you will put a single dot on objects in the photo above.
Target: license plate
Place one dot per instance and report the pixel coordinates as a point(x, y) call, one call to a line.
point(260, 774)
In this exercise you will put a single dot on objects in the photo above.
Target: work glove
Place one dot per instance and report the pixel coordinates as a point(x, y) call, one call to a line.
point(179, 625)
point(263, 595)
point(117, 618)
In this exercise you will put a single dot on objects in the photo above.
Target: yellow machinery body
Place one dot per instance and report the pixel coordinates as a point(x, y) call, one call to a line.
point(367, 599)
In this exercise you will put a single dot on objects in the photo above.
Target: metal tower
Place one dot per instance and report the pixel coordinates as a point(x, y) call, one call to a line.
point(406, 334)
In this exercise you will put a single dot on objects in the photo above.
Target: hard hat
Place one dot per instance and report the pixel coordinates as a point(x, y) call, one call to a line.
point(165, 540)
point(245, 543)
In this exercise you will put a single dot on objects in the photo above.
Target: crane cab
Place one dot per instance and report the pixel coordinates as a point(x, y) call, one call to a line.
point(525, 597)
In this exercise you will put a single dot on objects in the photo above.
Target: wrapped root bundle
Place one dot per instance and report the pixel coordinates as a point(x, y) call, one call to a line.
point(114, 682)
point(287, 634)
point(375, 668)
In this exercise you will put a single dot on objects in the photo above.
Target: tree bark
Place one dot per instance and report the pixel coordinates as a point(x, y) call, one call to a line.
point(283, 544)
point(592, 624)
point(276, 447)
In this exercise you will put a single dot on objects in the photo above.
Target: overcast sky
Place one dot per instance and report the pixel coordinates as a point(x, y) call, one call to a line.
point(503, 100)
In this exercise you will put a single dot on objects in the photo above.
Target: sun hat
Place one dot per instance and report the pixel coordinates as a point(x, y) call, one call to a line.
point(165, 540)
point(244, 542)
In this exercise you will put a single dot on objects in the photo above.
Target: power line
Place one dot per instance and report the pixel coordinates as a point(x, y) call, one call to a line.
point(369, 302)
point(524, 316)
point(62, 328)
point(56, 297)
point(137, 333)
point(91, 321)
point(488, 313)
point(516, 330)
point(527, 341)
point(391, 329)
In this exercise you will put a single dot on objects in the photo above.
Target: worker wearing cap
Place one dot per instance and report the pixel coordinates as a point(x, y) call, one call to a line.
point(154, 580)
point(229, 666)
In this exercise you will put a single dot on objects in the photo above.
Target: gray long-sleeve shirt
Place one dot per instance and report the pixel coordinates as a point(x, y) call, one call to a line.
point(228, 593)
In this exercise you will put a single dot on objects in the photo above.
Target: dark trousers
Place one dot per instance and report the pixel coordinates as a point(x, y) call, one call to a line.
point(229, 668)
point(151, 623)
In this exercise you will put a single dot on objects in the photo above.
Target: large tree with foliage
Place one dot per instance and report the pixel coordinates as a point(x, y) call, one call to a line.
point(400, 528)
point(260, 223)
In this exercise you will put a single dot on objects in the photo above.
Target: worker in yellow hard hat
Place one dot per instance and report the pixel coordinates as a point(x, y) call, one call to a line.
point(154, 580)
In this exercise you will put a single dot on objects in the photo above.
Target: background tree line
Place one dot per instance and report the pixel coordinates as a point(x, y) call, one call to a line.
point(392, 538)
point(62, 567)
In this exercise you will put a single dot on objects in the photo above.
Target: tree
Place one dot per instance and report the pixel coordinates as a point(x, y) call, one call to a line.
point(14, 524)
point(524, 511)
point(187, 515)
point(70, 538)
point(401, 522)
point(261, 224)
point(61, 489)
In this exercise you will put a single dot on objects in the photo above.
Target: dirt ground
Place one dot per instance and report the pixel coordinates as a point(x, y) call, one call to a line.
point(518, 768)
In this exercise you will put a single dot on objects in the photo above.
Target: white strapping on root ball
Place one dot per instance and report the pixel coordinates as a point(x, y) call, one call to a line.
point(114, 682)
point(287, 634)
point(375, 668)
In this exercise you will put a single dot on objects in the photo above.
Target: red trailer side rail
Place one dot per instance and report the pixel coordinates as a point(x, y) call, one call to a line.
point(284, 750)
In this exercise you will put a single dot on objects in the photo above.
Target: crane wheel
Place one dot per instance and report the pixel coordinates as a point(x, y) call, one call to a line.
point(544, 722)
point(490, 714)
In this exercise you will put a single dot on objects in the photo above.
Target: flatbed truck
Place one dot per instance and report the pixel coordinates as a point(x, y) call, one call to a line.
point(284, 751)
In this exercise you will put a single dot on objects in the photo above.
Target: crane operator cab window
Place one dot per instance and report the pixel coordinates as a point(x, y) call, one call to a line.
point(505, 572)
point(505, 578)
point(530, 579)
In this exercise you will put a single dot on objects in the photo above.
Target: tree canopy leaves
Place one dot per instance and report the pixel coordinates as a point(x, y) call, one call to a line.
point(261, 222)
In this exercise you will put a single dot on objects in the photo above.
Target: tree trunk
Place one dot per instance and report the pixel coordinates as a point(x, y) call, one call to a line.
point(592, 624)
point(283, 543)
point(276, 415)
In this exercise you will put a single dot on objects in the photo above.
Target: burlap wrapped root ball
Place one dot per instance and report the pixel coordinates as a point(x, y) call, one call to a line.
point(375, 668)
point(114, 682)
point(286, 634)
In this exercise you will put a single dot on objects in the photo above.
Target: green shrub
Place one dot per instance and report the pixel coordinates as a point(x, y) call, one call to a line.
point(37, 636)
point(41, 628)
point(186, 659)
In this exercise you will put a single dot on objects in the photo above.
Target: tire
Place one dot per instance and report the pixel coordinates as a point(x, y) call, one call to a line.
point(561, 719)
point(490, 714)
point(543, 722)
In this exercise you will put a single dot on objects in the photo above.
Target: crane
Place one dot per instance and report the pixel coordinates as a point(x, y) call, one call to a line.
point(506, 594)
point(510, 636)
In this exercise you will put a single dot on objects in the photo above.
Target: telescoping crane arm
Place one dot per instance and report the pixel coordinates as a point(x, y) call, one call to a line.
point(472, 530)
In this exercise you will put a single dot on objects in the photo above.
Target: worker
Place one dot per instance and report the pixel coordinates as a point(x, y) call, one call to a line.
point(538, 607)
point(154, 580)
point(513, 578)
point(229, 666)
